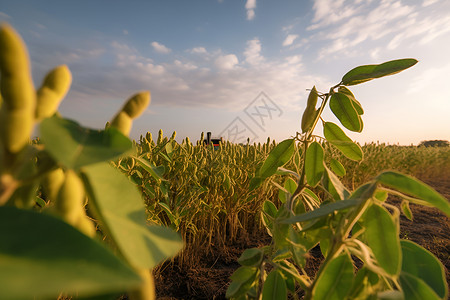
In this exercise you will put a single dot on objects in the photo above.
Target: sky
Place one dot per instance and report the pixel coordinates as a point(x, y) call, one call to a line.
point(242, 69)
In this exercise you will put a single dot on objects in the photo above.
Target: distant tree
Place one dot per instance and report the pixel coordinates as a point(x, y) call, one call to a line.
point(435, 143)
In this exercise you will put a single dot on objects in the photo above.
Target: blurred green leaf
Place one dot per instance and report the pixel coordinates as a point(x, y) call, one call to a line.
point(324, 210)
point(42, 256)
point(314, 164)
point(416, 289)
point(122, 212)
point(75, 146)
point(335, 280)
point(381, 234)
point(251, 257)
point(242, 280)
point(421, 263)
point(406, 210)
point(368, 72)
point(340, 140)
point(343, 109)
point(413, 187)
point(274, 287)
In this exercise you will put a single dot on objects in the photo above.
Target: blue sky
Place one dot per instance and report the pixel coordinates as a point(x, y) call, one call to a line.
point(245, 66)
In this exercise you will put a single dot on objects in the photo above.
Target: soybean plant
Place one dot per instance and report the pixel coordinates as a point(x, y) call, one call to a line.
point(59, 196)
point(348, 226)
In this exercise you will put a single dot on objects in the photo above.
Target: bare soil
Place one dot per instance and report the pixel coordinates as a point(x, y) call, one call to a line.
point(209, 279)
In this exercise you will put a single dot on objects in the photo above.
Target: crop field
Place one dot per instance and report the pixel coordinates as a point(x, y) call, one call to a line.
point(92, 214)
point(204, 194)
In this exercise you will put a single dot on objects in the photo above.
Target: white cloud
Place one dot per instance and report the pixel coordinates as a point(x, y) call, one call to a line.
point(426, 3)
point(346, 25)
point(160, 48)
point(289, 40)
point(198, 50)
point(226, 62)
point(250, 6)
point(252, 53)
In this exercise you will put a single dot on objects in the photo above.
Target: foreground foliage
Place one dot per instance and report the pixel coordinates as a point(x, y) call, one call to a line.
point(59, 197)
point(347, 225)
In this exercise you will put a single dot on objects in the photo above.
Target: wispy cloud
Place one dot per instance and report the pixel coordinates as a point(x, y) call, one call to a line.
point(253, 52)
point(289, 40)
point(344, 25)
point(250, 6)
point(160, 48)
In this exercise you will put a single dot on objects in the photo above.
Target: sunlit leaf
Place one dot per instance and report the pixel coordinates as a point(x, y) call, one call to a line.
point(340, 140)
point(324, 210)
point(337, 167)
point(251, 257)
point(381, 234)
point(349, 94)
point(413, 187)
point(421, 263)
point(314, 164)
point(368, 72)
point(343, 109)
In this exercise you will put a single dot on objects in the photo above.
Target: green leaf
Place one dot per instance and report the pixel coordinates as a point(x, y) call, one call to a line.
point(314, 164)
point(368, 72)
point(415, 288)
point(406, 210)
point(340, 140)
point(421, 263)
point(274, 287)
point(349, 94)
point(337, 167)
point(290, 186)
point(343, 109)
point(242, 280)
point(42, 256)
point(334, 186)
point(121, 210)
point(255, 182)
point(335, 280)
point(381, 234)
point(277, 157)
point(155, 172)
point(251, 257)
point(324, 210)
point(411, 186)
point(75, 146)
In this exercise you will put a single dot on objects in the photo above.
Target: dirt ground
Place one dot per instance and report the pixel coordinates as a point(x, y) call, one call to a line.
point(210, 278)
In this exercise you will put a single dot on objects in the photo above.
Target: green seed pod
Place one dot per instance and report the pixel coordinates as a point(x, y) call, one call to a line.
point(160, 137)
point(16, 85)
point(69, 202)
point(310, 113)
point(15, 128)
point(149, 137)
point(137, 104)
point(51, 183)
point(122, 122)
point(53, 90)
